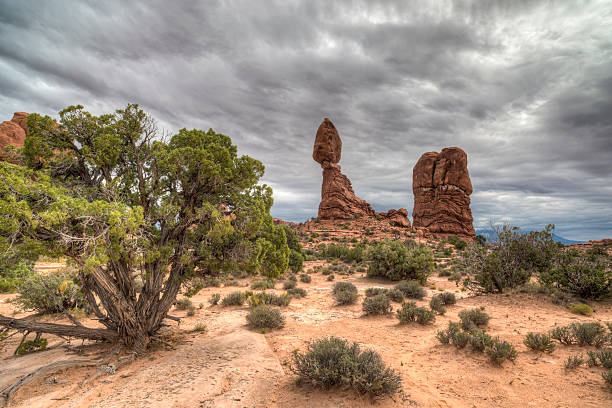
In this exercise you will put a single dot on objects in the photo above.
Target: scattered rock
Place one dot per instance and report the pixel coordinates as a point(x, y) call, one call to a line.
point(442, 187)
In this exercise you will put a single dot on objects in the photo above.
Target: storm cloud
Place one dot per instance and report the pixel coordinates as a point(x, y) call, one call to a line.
point(524, 87)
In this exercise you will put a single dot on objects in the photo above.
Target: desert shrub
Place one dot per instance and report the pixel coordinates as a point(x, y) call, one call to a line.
point(500, 351)
point(395, 295)
point(234, 299)
point(562, 334)
point(461, 339)
point(40, 293)
point(369, 292)
point(437, 305)
point(586, 275)
point(444, 272)
point(601, 358)
point(342, 286)
point(574, 361)
point(305, 278)
point(263, 284)
point(327, 271)
point(448, 298)
point(200, 327)
point(410, 312)
point(607, 376)
point(376, 305)
point(11, 276)
point(183, 304)
point(289, 284)
point(539, 342)
point(265, 317)
point(473, 318)
point(345, 293)
point(296, 292)
point(212, 281)
point(516, 257)
point(31, 346)
point(232, 282)
point(411, 289)
point(331, 277)
point(480, 340)
point(343, 252)
point(457, 242)
point(588, 334)
point(264, 298)
point(214, 299)
point(581, 309)
point(447, 336)
point(334, 362)
point(293, 278)
point(191, 310)
point(391, 259)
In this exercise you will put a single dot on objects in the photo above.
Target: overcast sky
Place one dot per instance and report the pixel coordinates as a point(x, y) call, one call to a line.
point(524, 87)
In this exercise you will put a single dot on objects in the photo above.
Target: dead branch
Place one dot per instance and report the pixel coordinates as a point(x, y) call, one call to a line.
point(59, 329)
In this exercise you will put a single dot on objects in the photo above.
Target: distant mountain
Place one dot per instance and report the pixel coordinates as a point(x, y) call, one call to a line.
point(491, 237)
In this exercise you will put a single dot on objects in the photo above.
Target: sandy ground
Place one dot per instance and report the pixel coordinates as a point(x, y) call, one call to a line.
point(232, 366)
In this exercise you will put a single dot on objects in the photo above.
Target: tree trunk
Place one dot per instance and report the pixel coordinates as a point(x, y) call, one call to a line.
point(59, 329)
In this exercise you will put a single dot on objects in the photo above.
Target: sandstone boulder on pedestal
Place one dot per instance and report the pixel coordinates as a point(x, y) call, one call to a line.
point(442, 187)
point(338, 200)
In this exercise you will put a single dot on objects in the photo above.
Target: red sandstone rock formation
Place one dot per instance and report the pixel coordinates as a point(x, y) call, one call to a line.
point(14, 132)
point(442, 187)
point(397, 217)
point(338, 200)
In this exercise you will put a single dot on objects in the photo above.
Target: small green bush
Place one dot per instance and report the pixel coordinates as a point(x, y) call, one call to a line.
point(437, 305)
point(369, 292)
point(265, 317)
point(588, 334)
point(411, 289)
point(289, 285)
point(264, 298)
point(334, 362)
point(500, 351)
point(458, 243)
point(574, 361)
point(234, 299)
point(34, 293)
point(480, 340)
point(473, 318)
point(393, 260)
point(461, 339)
point(448, 336)
point(305, 278)
point(601, 358)
point(563, 335)
point(448, 298)
point(581, 309)
point(410, 312)
point(263, 284)
point(444, 273)
point(539, 342)
point(342, 286)
point(607, 376)
point(395, 295)
point(11, 277)
point(331, 277)
point(376, 305)
point(32, 346)
point(183, 304)
point(297, 292)
point(345, 293)
point(191, 310)
point(214, 299)
point(200, 327)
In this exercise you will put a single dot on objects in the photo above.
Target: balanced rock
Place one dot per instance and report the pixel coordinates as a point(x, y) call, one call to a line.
point(442, 187)
point(338, 200)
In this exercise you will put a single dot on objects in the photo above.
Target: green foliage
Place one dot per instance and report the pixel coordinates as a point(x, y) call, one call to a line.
point(330, 277)
point(40, 293)
point(264, 298)
point(457, 242)
point(395, 295)
point(601, 358)
point(607, 376)
point(539, 342)
point(582, 334)
point(393, 260)
point(342, 252)
point(513, 261)
point(410, 312)
point(448, 336)
point(297, 292)
point(563, 335)
point(581, 309)
point(12, 274)
point(500, 351)
point(369, 292)
point(437, 305)
point(334, 362)
point(31, 346)
point(265, 317)
point(200, 327)
point(574, 361)
point(345, 293)
point(214, 299)
point(344, 286)
point(411, 289)
point(183, 304)
point(480, 340)
point(584, 274)
point(263, 284)
point(473, 318)
point(234, 299)
point(376, 305)
point(305, 278)
point(289, 284)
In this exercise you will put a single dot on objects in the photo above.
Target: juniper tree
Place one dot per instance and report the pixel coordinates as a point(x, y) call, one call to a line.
point(120, 202)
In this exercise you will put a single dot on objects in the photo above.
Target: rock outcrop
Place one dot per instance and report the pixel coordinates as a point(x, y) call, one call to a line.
point(398, 218)
point(338, 200)
point(14, 132)
point(442, 187)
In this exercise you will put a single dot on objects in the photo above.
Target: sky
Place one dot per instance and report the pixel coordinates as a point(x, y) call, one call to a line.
point(523, 87)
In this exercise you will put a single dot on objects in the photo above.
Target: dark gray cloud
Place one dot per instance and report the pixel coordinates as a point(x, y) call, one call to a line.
point(524, 87)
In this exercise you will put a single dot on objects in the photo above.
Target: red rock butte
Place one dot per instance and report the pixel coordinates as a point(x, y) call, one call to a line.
point(442, 187)
point(338, 200)
point(14, 132)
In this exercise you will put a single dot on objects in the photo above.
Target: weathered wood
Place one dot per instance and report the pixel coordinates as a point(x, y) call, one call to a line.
point(80, 332)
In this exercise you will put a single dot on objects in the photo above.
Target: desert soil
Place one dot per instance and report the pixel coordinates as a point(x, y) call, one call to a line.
point(229, 365)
